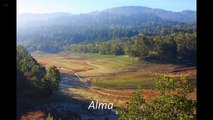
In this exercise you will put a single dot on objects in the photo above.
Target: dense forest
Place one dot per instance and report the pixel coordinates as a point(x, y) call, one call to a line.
point(33, 79)
point(53, 32)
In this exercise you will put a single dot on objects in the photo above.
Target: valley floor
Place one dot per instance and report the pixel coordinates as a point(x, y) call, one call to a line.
point(107, 78)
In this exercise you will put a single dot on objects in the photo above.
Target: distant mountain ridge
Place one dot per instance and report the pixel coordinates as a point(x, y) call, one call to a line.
point(159, 12)
point(126, 10)
point(51, 32)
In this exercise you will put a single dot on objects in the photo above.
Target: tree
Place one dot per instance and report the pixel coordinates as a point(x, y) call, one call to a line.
point(137, 108)
point(168, 49)
point(171, 105)
point(21, 53)
point(138, 48)
point(117, 49)
point(186, 45)
point(39, 71)
point(52, 78)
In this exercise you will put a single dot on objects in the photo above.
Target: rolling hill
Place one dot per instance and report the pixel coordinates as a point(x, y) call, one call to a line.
point(52, 32)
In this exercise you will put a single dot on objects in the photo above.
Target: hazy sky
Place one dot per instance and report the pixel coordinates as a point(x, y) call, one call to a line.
point(85, 6)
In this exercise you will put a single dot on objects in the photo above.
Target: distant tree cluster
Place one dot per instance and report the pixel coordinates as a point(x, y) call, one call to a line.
point(172, 104)
point(32, 78)
point(114, 47)
point(169, 47)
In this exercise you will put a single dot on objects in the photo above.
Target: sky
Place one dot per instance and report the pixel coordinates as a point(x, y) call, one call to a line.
point(85, 6)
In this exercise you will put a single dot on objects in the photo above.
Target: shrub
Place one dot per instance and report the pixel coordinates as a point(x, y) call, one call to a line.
point(171, 105)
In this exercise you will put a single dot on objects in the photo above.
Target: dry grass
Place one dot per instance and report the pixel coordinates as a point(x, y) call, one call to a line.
point(111, 71)
point(118, 98)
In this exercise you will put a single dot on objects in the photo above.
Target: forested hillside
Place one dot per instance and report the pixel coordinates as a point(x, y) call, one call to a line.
point(33, 79)
point(53, 32)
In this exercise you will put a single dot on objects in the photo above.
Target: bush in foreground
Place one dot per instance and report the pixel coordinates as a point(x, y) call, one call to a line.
point(171, 105)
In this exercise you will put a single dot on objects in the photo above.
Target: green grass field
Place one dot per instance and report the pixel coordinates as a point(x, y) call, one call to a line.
point(125, 84)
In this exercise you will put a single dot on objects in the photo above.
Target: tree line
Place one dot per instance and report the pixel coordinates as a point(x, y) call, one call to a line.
point(180, 45)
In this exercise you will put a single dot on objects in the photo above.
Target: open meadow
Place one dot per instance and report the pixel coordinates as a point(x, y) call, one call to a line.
point(112, 78)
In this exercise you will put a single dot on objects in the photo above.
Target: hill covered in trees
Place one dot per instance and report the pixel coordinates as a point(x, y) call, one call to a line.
point(33, 79)
point(54, 32)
